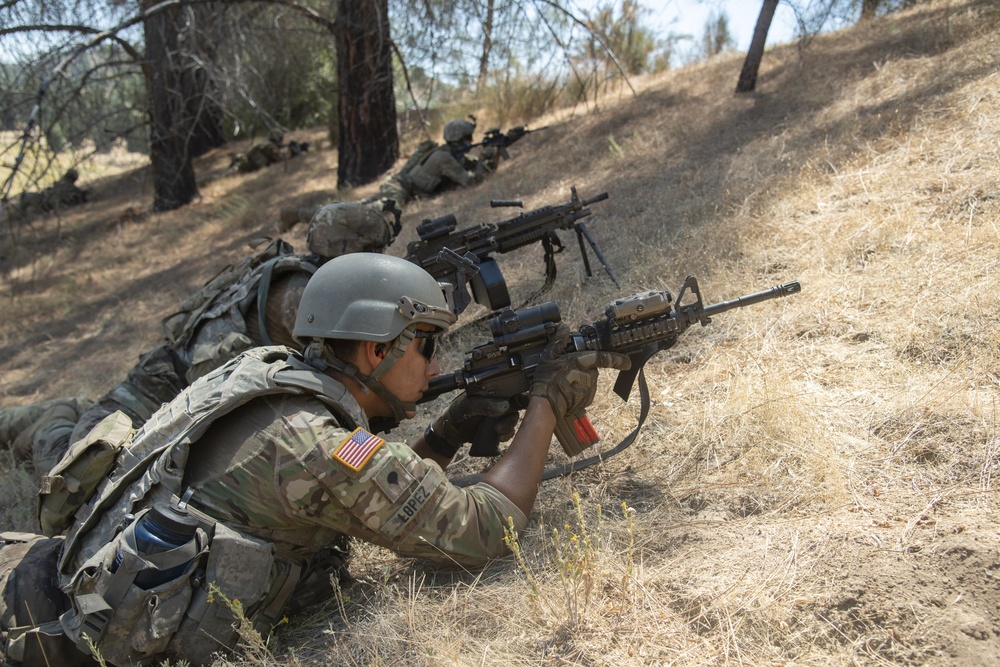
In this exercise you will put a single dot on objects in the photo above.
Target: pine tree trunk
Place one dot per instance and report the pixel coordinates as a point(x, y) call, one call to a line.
point(484, 59)
point(366, 104)
point(173, 175)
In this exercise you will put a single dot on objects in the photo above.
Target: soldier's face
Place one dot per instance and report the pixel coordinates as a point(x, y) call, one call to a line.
point(408, 377)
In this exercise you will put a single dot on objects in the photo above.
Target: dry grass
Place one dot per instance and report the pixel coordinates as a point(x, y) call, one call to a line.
point(814, 484)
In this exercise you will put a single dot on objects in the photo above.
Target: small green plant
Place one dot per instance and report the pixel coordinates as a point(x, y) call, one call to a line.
point(94, 651)
point(581, 558)
point(615, 148)
point(510, 538)
point(629, 555)
point(576, 556)
point(253, 645)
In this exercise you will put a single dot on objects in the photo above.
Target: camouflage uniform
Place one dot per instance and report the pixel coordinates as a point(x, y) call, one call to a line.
point(39, 433)
point(261, 155)
point(443, 168)
point(273, 469)
point(64, 192)
point(271, 466)
point(60, 194)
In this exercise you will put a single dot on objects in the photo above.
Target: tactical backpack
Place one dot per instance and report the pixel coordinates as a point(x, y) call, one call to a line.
point(106, 480)
point(421, 153)
point(209, 328)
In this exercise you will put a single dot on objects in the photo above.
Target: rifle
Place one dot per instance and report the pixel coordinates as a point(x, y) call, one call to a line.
point(481, 241)
point(639, 326)
point(502, 140)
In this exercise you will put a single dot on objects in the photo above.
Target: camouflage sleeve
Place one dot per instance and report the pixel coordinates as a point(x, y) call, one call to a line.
point(384, 493)
point(450, 168)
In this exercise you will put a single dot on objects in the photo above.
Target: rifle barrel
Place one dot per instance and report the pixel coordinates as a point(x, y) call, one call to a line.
point(748, 300)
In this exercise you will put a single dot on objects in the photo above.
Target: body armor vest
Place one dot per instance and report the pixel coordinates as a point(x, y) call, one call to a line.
point(179, 618)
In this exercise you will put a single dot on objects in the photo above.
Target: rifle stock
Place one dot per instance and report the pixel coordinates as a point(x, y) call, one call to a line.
point(639, 325)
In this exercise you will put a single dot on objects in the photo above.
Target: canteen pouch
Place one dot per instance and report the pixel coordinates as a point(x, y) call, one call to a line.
point(240, 568)
point(127, 623)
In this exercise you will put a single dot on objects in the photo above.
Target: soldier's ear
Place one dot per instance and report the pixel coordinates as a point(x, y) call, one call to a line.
point(372, 353)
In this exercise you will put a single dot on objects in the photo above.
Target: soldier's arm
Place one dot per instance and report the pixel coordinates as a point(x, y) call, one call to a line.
point(452, 170)
point(394, 498)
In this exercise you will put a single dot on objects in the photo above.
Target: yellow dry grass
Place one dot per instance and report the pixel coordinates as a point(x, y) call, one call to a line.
point(814, 483)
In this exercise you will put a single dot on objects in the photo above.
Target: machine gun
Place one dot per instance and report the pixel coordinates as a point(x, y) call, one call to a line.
point(479, 242)
point(639, 326)
point(502, 140)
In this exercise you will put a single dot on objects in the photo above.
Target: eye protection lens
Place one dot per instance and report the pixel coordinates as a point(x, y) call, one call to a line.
point(428, 343)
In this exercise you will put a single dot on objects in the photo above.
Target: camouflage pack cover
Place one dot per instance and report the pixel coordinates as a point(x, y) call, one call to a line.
point(345, 227)
point(215, 314)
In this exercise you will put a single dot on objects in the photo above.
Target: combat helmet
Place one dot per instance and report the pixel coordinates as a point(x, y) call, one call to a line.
point(458, 130)
point(369, 297)
point(345, 227)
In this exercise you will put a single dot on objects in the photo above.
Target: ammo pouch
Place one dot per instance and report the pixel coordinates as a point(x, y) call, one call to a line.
point(186, 618)
point(72, 481)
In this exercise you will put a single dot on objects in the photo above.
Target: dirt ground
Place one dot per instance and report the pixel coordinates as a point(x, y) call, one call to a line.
point(814, 483)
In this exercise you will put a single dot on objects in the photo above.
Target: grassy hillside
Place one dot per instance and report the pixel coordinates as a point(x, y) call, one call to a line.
point(814, 483)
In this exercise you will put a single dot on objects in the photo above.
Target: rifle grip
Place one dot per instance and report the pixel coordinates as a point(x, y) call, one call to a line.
point(485, 442)
point(575, 433)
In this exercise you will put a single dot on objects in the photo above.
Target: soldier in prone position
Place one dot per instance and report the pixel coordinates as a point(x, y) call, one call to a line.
point(213, 326)
point(270, 458)
point(431, 169)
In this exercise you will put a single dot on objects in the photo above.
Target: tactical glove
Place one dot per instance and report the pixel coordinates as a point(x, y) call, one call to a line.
point(461, 420)
point(569, 380)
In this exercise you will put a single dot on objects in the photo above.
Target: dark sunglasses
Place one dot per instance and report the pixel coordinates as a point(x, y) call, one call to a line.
point(428, 343)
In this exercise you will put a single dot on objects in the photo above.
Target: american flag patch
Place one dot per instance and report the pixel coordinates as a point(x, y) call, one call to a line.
point(355, 451)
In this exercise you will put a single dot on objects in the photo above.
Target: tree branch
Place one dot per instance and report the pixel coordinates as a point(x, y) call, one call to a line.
point(409, 88)
point(583, 24)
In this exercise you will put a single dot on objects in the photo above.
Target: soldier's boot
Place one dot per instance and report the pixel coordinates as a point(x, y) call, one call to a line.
point(38, 433)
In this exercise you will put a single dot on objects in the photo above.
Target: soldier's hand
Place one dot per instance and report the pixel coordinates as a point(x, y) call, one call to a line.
point(569, 380)
point(461, 420)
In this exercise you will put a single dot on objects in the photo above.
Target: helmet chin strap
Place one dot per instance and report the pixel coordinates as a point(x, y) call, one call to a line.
point(316, 355)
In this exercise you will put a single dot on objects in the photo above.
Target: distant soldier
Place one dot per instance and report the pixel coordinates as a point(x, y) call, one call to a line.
point(61, 194)
point(442, 167)
point(211, 327)
point(261, 155)
point(432, 168)
point(64, 192)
